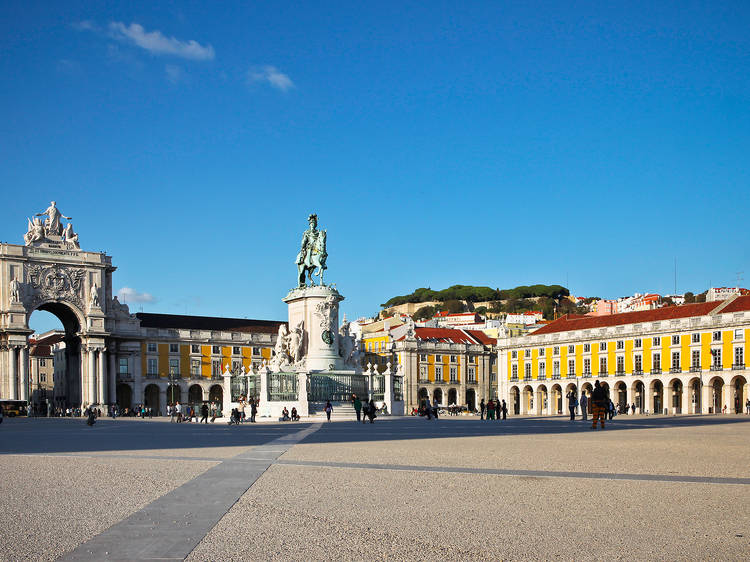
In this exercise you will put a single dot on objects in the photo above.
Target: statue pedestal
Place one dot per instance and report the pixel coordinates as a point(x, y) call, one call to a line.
point(317, 308)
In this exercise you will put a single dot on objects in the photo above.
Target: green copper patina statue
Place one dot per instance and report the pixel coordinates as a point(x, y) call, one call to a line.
point(311, 259)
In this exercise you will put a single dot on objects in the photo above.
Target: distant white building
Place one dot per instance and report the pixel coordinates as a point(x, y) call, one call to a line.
point(531, 317)
point(723, 293)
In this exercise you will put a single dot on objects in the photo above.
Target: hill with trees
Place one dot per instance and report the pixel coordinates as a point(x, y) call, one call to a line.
point(470, 293)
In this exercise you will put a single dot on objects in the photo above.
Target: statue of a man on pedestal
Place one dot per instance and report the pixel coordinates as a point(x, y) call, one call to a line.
point(52, 222)
point(312, 256)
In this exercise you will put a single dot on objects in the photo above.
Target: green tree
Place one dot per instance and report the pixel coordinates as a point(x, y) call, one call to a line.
point(689, 298)
point(454, 306)
point(424, 313)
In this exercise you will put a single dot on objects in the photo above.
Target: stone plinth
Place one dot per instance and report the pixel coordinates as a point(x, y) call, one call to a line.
point(317, 307)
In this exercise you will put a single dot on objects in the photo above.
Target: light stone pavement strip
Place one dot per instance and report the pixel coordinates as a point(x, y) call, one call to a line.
point(170, 527)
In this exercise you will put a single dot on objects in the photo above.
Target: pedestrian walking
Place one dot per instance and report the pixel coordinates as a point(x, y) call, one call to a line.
point(204, 413)
point(505, 410)
point(253, 410)
point(598, 404)
point(482, 408)
point(371, 411)
point(498, 409)
point(357, 406)
point(572, 404)
point(584, 406)
point(428, 409)
point(490, 410)
point(328, 410)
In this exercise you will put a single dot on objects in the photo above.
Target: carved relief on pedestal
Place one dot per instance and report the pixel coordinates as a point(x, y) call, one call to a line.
point(55, 282)
point(327, 311)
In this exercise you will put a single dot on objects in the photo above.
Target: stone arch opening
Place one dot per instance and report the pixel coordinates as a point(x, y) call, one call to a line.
point(674, 396)
point(151, 398)
point(657, 397)
point(738, 389)
point(68, 390)
point(471, 399)
point(717, 390)
point(621, 395)
point(195, 395)
point(639, 396)
point(452, 396)
point(515, 398)
point(216, 395)
point(587, 389)
point(542, 400)
point(437, 397)
point(528, 400)
point(556, 400)
point(174, 394)
point(695, 386)
point(124, 396)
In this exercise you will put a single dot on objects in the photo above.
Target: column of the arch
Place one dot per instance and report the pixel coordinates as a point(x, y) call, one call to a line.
point(137, 380)
point(112, 376)
point(102, 377)
point(687, 398)
point(34, 376)
point(707, 398)
point(12, 373)
point(91, 361)
point(23, 361)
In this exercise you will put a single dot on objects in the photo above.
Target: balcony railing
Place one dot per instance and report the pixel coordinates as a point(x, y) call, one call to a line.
point(637, 372)
point(471, 381)
point(695, 369)
point(716, 368)
point(152, 375)
point(571, 375)
point(125, 377)
point(542, 376)
point(738, 366)
point(675, 370)
point(656, 371)
point(556, 377)
point(514, 377)
point(527, 377)
point(586, 375)
point(603, 374)
point(619, 373)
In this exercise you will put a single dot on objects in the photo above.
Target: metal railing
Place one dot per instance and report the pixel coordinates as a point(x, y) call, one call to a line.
point(716, 368)
point(675, 370)
point(282, 387)
point(738, 366)
point(656, 371)
point(695, 369)
point(603, 373)
point(619, 373)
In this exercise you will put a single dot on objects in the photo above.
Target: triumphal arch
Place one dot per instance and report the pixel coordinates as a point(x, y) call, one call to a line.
point(51, 272)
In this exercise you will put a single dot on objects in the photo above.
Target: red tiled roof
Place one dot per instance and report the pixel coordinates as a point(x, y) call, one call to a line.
point(481, 337)
point(448, 335)
point(737, 305)
point(575, 322)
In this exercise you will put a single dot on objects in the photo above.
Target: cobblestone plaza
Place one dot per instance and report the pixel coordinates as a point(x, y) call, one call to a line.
point(402, 488)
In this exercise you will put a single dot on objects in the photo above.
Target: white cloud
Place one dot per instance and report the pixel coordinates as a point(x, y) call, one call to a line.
point(156, 43)
point(272, 76)
point(85, 25)
point(127, 294)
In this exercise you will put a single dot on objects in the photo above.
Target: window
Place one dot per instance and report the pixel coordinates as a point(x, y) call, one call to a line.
point(527, 370)
point(541, 352)
point(423, 357)
point(716, 353)
point(603, 346)
point(696, 338)
point(152, 367)
point(620, 364)
point(556, 368)
point(571, 366)
point(438, 359)
point(236, 367)
point(514, 371)
point(739, 356)
point(195, 367)
point(587, 348)
point(122, 365)
point(555, 350)
point(215, 368)
point(423, 373)
point(675, 340)
point(472, 374)
point(637, 343)
point(717, 336)
point(151, 347)
point(514, 354)
point(676, 360)
point(620, 344)
point(542, 370)
point(473, 359)
point(216, 349)
point(453, 374)
point(174, 348)
point(638, 363)
point(236, 350)
point(656, 362)
point(527, 353)
point(438, 373)
point(657, 341)
point(174, 366)
point(42, 376)
point(453, 358)
point(695, 360)
point(738, 334)
point(195, 348)
point(256, 352)
point(587, 366)
point(42, 362)
point(571, 349)
point(602, 365)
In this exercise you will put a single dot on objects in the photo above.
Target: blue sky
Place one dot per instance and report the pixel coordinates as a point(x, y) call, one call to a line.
point(495, 144)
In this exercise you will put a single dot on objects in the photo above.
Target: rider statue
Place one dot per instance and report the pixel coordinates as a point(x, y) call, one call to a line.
point(312, 255)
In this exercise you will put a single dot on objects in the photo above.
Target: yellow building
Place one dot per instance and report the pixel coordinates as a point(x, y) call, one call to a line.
point(449, 366)
point(680, 359)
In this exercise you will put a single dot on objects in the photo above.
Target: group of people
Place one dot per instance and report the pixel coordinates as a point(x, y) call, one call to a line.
point(239, 415)
point(602, 407)
point(286, 416)
point(493, 409)
point(364, 410)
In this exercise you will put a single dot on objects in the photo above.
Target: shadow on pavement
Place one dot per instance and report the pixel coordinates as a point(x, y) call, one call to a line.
point(42, 435)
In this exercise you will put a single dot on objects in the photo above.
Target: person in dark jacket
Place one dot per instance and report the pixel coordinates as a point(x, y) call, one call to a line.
point(598, 404)
point(498, 409)
point(357, 407)
point(505, 410)
point(253, 410)
point(204, 413)
point(371, 411)
point(481, 409)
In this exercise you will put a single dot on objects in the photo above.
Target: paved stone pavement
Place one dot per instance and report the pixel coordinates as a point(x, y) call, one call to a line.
point(673, 488)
